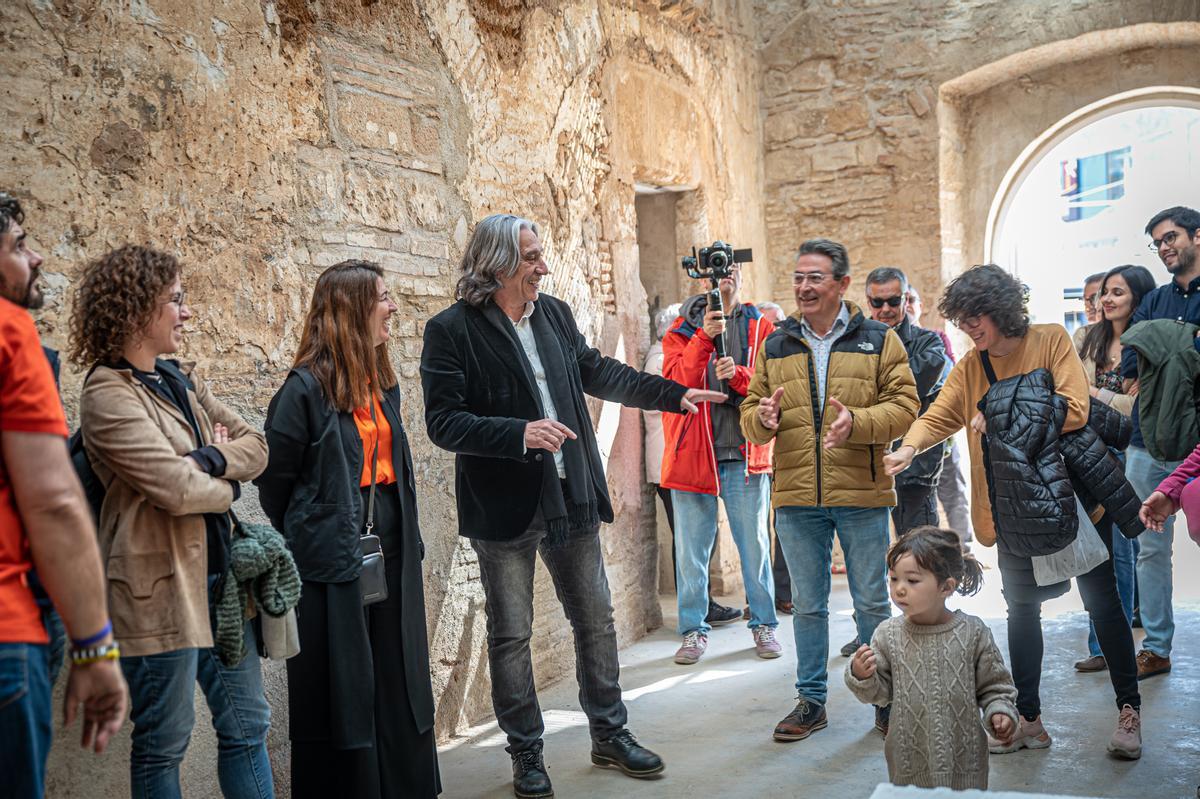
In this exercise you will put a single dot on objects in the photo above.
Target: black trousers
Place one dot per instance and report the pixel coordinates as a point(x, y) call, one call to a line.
point(779, 570)
point(1099, 591)
point(402, 763)
point(915, 506)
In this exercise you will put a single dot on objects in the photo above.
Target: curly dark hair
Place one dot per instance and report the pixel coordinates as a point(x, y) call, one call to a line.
point(987, 290)
point(115, 298)
point(10, 211)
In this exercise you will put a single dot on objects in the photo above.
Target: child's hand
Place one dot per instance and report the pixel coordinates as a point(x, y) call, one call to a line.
point(862, 665)
point(1002, 728)
point(1155, 510)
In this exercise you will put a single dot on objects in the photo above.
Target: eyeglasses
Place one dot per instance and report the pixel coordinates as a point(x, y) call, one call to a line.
point(1168, 239)
point(812, 278)
point(879, 302)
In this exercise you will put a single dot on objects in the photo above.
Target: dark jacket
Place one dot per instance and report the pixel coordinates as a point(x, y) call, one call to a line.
point(1096, 475)
point(310, 489)
point(929, 364)
point(1035, 472)
point(480, 393)
point(1033, 502)
point(1168, 365)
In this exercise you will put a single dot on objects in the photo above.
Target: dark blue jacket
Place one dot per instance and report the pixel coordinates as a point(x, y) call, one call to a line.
point(1171, 301)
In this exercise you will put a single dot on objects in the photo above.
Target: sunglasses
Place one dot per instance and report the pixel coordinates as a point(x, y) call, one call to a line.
point(879, 302)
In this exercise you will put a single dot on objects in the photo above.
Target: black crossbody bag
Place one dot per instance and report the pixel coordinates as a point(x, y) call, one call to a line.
point(372, 580)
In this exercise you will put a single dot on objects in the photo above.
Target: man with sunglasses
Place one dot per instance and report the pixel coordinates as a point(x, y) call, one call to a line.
point(1175, 237)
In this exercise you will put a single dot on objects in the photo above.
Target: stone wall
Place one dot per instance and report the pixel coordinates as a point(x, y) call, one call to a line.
point(851, 107)
point(265, 140)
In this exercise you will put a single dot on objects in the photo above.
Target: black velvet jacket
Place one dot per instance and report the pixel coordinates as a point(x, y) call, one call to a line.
point(480, 393)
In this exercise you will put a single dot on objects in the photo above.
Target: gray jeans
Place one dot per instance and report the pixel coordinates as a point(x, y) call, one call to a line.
point(577, 568)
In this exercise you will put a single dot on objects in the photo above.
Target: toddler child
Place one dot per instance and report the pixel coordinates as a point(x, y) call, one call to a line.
point(936, 668)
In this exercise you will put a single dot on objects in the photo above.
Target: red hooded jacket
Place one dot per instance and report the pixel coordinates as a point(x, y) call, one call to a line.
point(689, 459)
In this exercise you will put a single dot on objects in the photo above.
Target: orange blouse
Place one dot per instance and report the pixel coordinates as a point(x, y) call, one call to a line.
point(370, 432)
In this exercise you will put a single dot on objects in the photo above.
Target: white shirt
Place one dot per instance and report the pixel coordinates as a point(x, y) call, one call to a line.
point(529, 344)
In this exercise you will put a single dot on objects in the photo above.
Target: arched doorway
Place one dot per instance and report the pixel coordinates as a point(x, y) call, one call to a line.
point(1075, 202)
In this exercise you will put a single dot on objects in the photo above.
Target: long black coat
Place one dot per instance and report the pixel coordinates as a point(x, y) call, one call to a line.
point(480, 393)
point(310, 492)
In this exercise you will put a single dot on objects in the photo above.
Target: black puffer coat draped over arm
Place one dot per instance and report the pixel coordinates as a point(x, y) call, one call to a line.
point(1096, 474)
point(1033, 502)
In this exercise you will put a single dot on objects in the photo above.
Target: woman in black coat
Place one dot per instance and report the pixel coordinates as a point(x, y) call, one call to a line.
point(359, 697)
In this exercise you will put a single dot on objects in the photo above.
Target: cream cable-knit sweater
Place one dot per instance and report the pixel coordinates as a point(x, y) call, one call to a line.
point(937, 678)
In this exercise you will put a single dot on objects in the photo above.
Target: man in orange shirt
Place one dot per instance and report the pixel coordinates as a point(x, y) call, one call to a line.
point(44, 523)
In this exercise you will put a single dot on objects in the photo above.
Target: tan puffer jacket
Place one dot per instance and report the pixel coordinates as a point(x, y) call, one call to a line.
point(869, 374)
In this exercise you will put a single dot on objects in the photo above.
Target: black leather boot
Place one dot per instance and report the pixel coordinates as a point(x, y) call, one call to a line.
point(530, 780)
point(623, 751)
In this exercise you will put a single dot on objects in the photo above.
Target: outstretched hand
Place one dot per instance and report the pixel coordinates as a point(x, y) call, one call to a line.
point(839, 431)
point(1155, 510)
point(694, 396)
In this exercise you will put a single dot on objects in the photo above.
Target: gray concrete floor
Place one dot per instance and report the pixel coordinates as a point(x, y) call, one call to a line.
point(712, 722)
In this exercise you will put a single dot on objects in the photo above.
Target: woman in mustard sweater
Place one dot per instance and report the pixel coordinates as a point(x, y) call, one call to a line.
point(987, 303)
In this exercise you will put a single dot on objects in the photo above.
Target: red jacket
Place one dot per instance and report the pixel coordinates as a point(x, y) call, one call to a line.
point(689, 460)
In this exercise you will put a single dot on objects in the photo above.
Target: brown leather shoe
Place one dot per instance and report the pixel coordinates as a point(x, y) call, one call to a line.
point(1150, 664)
point(784, 606)
point(1093, 663)
point(805, 719)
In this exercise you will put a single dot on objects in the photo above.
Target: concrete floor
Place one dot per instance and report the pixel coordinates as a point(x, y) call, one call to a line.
point(712, 722)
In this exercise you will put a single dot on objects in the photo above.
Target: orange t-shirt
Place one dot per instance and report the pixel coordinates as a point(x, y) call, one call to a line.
point(28, 404)
point(370, 432)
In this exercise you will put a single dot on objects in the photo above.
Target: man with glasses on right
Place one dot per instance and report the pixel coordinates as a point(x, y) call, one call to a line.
point(1160, 441)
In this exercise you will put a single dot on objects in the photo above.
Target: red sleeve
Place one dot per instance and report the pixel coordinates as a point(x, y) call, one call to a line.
point(28, 399)
point(686, 359)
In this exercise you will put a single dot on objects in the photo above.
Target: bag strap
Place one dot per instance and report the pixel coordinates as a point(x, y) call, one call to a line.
point(987, 366)
point(374, 463)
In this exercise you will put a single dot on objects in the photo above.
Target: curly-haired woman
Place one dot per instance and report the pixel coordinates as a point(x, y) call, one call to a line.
point(170, 456)
point(360, 703)
point(988, 304)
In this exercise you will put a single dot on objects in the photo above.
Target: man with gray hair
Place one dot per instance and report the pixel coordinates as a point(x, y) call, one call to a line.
point(504, 372)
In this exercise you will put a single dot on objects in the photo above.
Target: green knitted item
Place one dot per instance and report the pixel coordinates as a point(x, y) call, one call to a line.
point(259, 564)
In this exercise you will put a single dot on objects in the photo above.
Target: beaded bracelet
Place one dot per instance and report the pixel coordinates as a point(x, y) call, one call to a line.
point(109, 651)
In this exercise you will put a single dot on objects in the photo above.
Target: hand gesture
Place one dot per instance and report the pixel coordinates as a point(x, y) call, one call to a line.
point(100, 688)
point(694, 396)
point(768, 409)
point(862, 665)
point(898, 461)
point(839, 431)
point(1155, 510)
point(979, 423)
point(220, 434)
point(714, 324)
point(546, 434)
point(725, 368)
point(1003, 728)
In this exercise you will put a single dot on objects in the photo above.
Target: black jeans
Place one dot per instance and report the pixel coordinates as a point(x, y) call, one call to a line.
point(779, 569)
point(1099, 591)
point(915, 506)
point(577, 568)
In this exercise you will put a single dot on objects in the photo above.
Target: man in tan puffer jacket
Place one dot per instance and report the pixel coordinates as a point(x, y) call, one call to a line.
point(832, 388)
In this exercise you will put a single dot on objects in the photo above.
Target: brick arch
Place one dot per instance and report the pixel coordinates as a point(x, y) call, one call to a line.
point(999, 118)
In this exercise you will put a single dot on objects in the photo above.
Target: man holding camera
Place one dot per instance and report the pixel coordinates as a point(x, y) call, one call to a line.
point(707, 457)
point(831, 389)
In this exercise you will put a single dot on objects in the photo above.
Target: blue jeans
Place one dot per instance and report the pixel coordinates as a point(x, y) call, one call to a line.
point(807, 537)
point(1124, 555)
point(1154, 579)
point(747, 503)
point(24, 718)
point(160, 692)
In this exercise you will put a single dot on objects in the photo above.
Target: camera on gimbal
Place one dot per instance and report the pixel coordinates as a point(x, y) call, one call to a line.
point(715, 263)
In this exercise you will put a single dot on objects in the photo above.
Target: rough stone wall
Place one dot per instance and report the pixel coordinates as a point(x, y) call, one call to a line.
point(265, 140)
point(850, 104)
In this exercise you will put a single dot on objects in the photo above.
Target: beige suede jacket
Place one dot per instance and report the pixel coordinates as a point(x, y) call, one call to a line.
point(151, 531)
